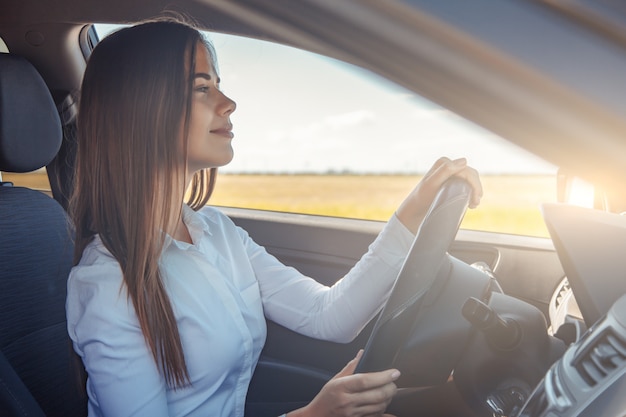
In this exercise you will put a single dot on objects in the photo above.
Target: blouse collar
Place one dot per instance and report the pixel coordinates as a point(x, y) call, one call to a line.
point(198, 228)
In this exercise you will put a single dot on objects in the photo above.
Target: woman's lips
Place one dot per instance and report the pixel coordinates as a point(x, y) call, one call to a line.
point(224, 131)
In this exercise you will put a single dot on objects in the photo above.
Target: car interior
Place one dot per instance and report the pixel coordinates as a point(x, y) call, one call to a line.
point(37, 254)
point(480, 323)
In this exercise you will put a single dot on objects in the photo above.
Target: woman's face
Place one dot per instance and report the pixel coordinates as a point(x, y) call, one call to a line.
point(210, 129)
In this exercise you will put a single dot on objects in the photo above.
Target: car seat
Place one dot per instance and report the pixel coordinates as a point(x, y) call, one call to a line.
point(37, 366)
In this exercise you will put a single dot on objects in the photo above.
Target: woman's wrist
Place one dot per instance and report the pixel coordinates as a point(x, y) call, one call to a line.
point(410, 217)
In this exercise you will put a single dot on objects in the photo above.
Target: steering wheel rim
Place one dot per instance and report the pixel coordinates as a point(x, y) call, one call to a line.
point(425, 268)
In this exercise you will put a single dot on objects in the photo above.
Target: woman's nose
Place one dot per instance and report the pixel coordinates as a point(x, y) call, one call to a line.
point(228, 105)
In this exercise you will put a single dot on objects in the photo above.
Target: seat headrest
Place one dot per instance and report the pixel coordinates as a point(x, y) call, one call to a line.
point(30, 128)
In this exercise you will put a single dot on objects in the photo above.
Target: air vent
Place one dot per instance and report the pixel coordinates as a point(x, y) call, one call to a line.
point(562, 293)
point(605, 355)
point(554, 390)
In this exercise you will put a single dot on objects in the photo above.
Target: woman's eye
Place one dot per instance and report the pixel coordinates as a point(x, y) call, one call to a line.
point(202, 89)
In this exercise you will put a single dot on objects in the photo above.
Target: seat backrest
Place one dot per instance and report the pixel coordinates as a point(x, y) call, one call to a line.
point(36, 251)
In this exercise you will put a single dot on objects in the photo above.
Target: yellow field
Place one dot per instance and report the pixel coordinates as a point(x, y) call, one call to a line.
point(510, 203)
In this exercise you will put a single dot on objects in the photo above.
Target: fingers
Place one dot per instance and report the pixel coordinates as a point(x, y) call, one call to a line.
point(355, 394)
point(351, 366)
point(369, 393)
point(367, 381)
point(414, 208)
point(471, 176)
point(376, 400)
point(370, 380)
point(444, 168)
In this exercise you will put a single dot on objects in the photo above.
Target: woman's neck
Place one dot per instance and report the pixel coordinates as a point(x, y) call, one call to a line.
point(182, 233)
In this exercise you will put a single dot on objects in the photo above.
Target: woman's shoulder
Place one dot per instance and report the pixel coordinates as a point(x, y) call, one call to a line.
point(214, 217)
point(212, 214)
point(97, 306)
point(97, 266)
point(218, 222)
point(96, 253)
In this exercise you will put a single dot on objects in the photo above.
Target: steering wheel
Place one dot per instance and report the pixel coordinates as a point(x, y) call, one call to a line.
point(421, 330)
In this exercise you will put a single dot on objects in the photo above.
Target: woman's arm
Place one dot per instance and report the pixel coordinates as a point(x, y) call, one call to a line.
point(123, 377)
point(334, 313)
point(338, 313)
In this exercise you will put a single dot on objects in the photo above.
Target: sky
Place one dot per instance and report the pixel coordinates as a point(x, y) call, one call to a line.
point(301, 112)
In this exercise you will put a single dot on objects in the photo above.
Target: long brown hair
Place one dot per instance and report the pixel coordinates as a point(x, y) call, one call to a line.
point(131, 166)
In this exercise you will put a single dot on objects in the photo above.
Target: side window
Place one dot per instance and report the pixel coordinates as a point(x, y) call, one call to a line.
point(318, 136)
point(37, 180)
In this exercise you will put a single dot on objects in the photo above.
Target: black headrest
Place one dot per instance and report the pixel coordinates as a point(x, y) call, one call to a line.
point(30, 128)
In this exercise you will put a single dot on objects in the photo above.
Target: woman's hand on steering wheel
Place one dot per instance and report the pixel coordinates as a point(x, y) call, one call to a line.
point(414, 208)
point(350, 394)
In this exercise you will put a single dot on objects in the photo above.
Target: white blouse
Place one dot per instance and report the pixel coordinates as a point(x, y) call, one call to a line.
point(222, 287)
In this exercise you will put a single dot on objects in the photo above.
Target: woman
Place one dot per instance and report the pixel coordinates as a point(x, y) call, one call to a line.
point(167, 302)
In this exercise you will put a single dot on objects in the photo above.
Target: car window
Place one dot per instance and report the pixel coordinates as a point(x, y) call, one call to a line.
point(37, 180)
point(318, 136)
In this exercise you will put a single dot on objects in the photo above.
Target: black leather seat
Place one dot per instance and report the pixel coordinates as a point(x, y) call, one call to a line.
point(37, 372)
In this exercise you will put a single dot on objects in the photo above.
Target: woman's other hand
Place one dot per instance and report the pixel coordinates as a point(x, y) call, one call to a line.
point(414, 208)
point(349, 394)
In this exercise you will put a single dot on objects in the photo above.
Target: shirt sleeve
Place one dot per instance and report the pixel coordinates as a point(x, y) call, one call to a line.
point(123, 376)
point(337, 313)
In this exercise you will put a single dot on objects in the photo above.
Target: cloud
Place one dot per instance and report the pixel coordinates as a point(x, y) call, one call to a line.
point(330, 126)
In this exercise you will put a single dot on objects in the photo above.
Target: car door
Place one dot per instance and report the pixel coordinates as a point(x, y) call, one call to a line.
point(293, 367)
